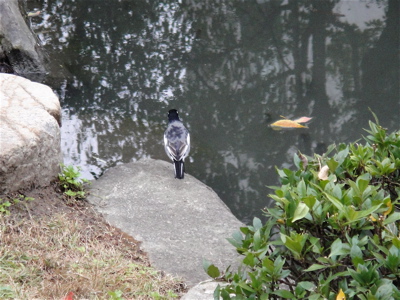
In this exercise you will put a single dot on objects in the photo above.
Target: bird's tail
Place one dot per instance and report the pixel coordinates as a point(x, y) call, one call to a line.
point(179, 169)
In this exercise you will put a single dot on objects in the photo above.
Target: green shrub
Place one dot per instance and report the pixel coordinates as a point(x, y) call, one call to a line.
point(333, 232)
point(71, 182)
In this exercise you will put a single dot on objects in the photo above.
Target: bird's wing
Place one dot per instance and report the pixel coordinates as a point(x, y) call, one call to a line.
point(185, 147)
point(177, 142)
point(170, 149)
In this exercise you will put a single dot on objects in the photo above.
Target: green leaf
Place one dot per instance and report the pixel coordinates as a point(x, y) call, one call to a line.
point(302, 189)
point(355, 252)
point(257, 224)
point(337, 192)
point(365, 274)
point(315, 297)
point(234, 243)
point(335, 202)
point(237, 236)
point(210, 269)
point(339, 248)
point(315, 267)
point(268, 264)
point(256, 281)
point(310, 201)
point(357, 260)
point(363, 181)
point(244, 230)
point(243, 285)
point(392, 218)
point(257, 240)
point(213, 271)
point(315, 245)
point(281, 173)
point(396, 243)
point(353, 215)
point(307, 285)
point(217, 292)
point(225, 295)
point(297, 161)
point(264, 296)
point(249, 260)
point(294, 243)
point(278, 264)
point(301, 211)
point(341, 156)
point(70, 193)
point(385, 291)
point(332, 164)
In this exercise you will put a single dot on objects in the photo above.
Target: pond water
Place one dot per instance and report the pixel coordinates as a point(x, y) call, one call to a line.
point(231, 68)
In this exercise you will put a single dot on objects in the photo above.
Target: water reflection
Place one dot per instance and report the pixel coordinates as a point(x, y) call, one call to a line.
point(231, 68)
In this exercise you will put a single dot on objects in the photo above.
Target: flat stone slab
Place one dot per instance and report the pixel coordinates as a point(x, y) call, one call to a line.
point(179, 222)
point(203, 290)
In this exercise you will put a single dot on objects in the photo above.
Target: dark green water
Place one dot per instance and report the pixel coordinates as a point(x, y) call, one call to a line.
point(230, 68)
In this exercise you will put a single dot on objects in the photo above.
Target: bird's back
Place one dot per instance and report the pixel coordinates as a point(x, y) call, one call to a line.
point(177, 139)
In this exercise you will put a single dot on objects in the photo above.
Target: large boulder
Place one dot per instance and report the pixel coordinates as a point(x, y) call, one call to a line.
point(179, 222)
point(19, 46)
point(30, 144)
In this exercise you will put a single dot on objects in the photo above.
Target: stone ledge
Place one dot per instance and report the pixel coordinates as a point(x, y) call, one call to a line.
point(179, 222)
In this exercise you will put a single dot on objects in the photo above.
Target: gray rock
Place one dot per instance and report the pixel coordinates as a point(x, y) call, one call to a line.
point(18, 44)
point(30, 151)
point(179, 222)
point(202, 291)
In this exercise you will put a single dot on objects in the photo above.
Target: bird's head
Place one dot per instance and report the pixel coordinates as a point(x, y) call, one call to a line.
point(173, 115)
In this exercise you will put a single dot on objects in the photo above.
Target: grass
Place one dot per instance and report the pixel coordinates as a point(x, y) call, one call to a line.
point(49, 257)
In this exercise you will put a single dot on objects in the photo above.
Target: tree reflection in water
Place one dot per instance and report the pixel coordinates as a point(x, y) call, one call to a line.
point(231, 68)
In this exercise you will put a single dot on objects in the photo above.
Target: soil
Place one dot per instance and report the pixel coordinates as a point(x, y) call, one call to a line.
point(50, 200)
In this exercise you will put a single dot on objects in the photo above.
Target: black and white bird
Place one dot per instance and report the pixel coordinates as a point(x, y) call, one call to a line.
point(176, 142)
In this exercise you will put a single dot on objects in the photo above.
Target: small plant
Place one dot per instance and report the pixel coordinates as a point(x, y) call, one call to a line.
point(71, 183)
point(334, 231)
point(115, 295)
point(6, 204)
point(21, 198)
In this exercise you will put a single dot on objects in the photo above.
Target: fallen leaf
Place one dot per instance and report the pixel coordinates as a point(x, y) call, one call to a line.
point(70, 296)
point(34, 13)
point(303, 159)
point(323, 173)
point(341, 295)
point(389, 210)
point(286, 124)
point(302, 120)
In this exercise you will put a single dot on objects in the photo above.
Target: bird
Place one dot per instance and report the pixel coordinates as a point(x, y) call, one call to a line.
point(176, 142)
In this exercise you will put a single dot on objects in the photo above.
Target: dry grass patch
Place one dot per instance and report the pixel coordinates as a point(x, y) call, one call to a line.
point(50, 257)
